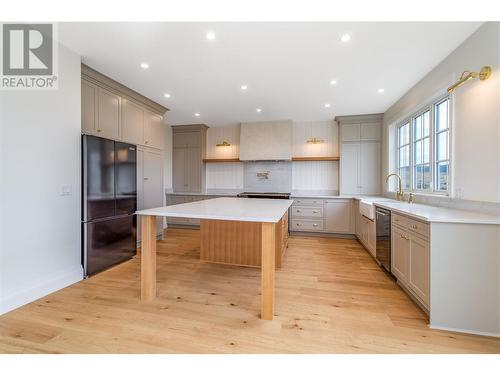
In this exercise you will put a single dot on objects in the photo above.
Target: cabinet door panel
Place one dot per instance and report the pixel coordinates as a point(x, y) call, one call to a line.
point(109, 114)
point(89, 107)
point(179, 181)
point(370, 168)
point(370, 132)
point(338, 216)
point(419, 268)
point(153, 130)
point(350, 168)
point(193, 169)
point(400, 254)
point(132, 123)
point(153, 194)
point(350, 132)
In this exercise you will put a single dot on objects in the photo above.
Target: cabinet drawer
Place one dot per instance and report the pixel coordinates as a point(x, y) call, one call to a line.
point(419, 227)
point(307, 202)
point(307, 225)
point(400, 220)
point(300, 211)
point(412, 225)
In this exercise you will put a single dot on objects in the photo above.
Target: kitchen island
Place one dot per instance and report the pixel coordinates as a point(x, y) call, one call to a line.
point(229, 222)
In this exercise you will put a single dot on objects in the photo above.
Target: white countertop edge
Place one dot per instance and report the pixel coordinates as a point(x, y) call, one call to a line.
point(458, 219)
point(225, 208)
point(210, 217)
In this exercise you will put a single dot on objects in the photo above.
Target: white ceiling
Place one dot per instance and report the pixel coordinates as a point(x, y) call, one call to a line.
point(286, 66)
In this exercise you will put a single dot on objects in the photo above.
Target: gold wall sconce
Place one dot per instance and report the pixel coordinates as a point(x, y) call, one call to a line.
point(223, 144)
point(315, 140)
point(483, 75)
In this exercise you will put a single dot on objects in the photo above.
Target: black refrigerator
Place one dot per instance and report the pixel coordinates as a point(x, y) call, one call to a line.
point(109, 201)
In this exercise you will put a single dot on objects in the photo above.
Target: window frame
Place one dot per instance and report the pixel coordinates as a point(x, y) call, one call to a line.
point(431, 107)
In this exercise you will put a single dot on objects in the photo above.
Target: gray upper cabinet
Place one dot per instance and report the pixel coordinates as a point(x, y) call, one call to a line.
point(153, 130)
point(113, 111)
point(132, 122)
point(109, 115)
point(188, 169)
point(89, 107)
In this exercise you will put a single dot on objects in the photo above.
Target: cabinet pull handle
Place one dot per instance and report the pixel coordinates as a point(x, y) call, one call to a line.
point(98, 130)
point(315, 212)
point(146, 142)
point(315, 225)
point(298, 224)
point(298, 210)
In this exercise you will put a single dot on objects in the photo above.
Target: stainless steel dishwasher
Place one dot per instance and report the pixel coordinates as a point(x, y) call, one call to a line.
point(383, 237)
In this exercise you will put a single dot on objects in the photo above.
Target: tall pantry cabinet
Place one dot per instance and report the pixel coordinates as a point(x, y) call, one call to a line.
point(360, 154)
point(188, 152)
point(113, 111)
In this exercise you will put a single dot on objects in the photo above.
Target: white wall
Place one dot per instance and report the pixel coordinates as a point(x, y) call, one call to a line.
point(40, 153)
point(475, 150)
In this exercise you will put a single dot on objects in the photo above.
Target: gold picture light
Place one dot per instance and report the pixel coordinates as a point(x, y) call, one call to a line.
point(483, 74)
point(315, 140)
point(223, 144)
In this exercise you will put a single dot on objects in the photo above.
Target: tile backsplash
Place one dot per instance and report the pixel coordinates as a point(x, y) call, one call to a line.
point(265, 176)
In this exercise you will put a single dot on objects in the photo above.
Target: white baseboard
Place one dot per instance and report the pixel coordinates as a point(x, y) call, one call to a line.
point(32, 291)
point(469, 331)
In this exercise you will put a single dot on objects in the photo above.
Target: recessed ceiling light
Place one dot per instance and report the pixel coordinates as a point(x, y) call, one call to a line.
point(197, 114)
point(210, 36)
point(167, 96)
point(244, 87)
point(259, 110)
point(333, 82)
point(144, 65)
point(327, 105)
point(345, 38)
point(380, 91)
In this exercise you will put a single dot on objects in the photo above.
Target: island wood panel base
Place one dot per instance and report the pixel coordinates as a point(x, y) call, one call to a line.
point(238, 242)
point(148, 258)
point(267, 270)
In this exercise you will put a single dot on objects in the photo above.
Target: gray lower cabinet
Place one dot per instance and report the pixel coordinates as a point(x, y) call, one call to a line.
point(188, 152)
point(322, 215)
point(410, 260)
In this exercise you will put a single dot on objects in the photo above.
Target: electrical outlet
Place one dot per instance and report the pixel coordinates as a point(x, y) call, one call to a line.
point(66, 190)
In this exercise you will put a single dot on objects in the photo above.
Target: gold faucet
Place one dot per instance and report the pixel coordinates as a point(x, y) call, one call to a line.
point(399, 194)
point(410, 198)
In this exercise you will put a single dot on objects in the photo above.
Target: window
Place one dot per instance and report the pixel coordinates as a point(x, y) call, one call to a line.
point(421, 152)
point(404, 154)
point(442, 130)
point(423, 155)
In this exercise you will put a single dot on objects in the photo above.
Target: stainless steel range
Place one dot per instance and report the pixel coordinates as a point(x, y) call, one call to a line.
point(264, 195)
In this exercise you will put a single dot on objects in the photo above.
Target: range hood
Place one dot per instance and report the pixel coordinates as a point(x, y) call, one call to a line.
point(268, 140)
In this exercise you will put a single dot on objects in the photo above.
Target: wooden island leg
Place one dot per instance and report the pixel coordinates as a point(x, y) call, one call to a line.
point(148, 258)
point(267, 271)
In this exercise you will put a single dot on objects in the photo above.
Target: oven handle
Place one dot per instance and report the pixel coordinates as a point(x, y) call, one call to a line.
point(382, 213)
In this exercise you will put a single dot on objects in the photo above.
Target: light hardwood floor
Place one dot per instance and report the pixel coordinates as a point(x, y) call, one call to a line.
point(331, 297)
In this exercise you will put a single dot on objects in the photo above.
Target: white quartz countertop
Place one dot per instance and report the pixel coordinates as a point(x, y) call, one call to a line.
point(236, 209)
point(436, 214)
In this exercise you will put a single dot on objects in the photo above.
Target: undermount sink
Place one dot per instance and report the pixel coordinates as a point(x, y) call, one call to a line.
point(367, 209)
